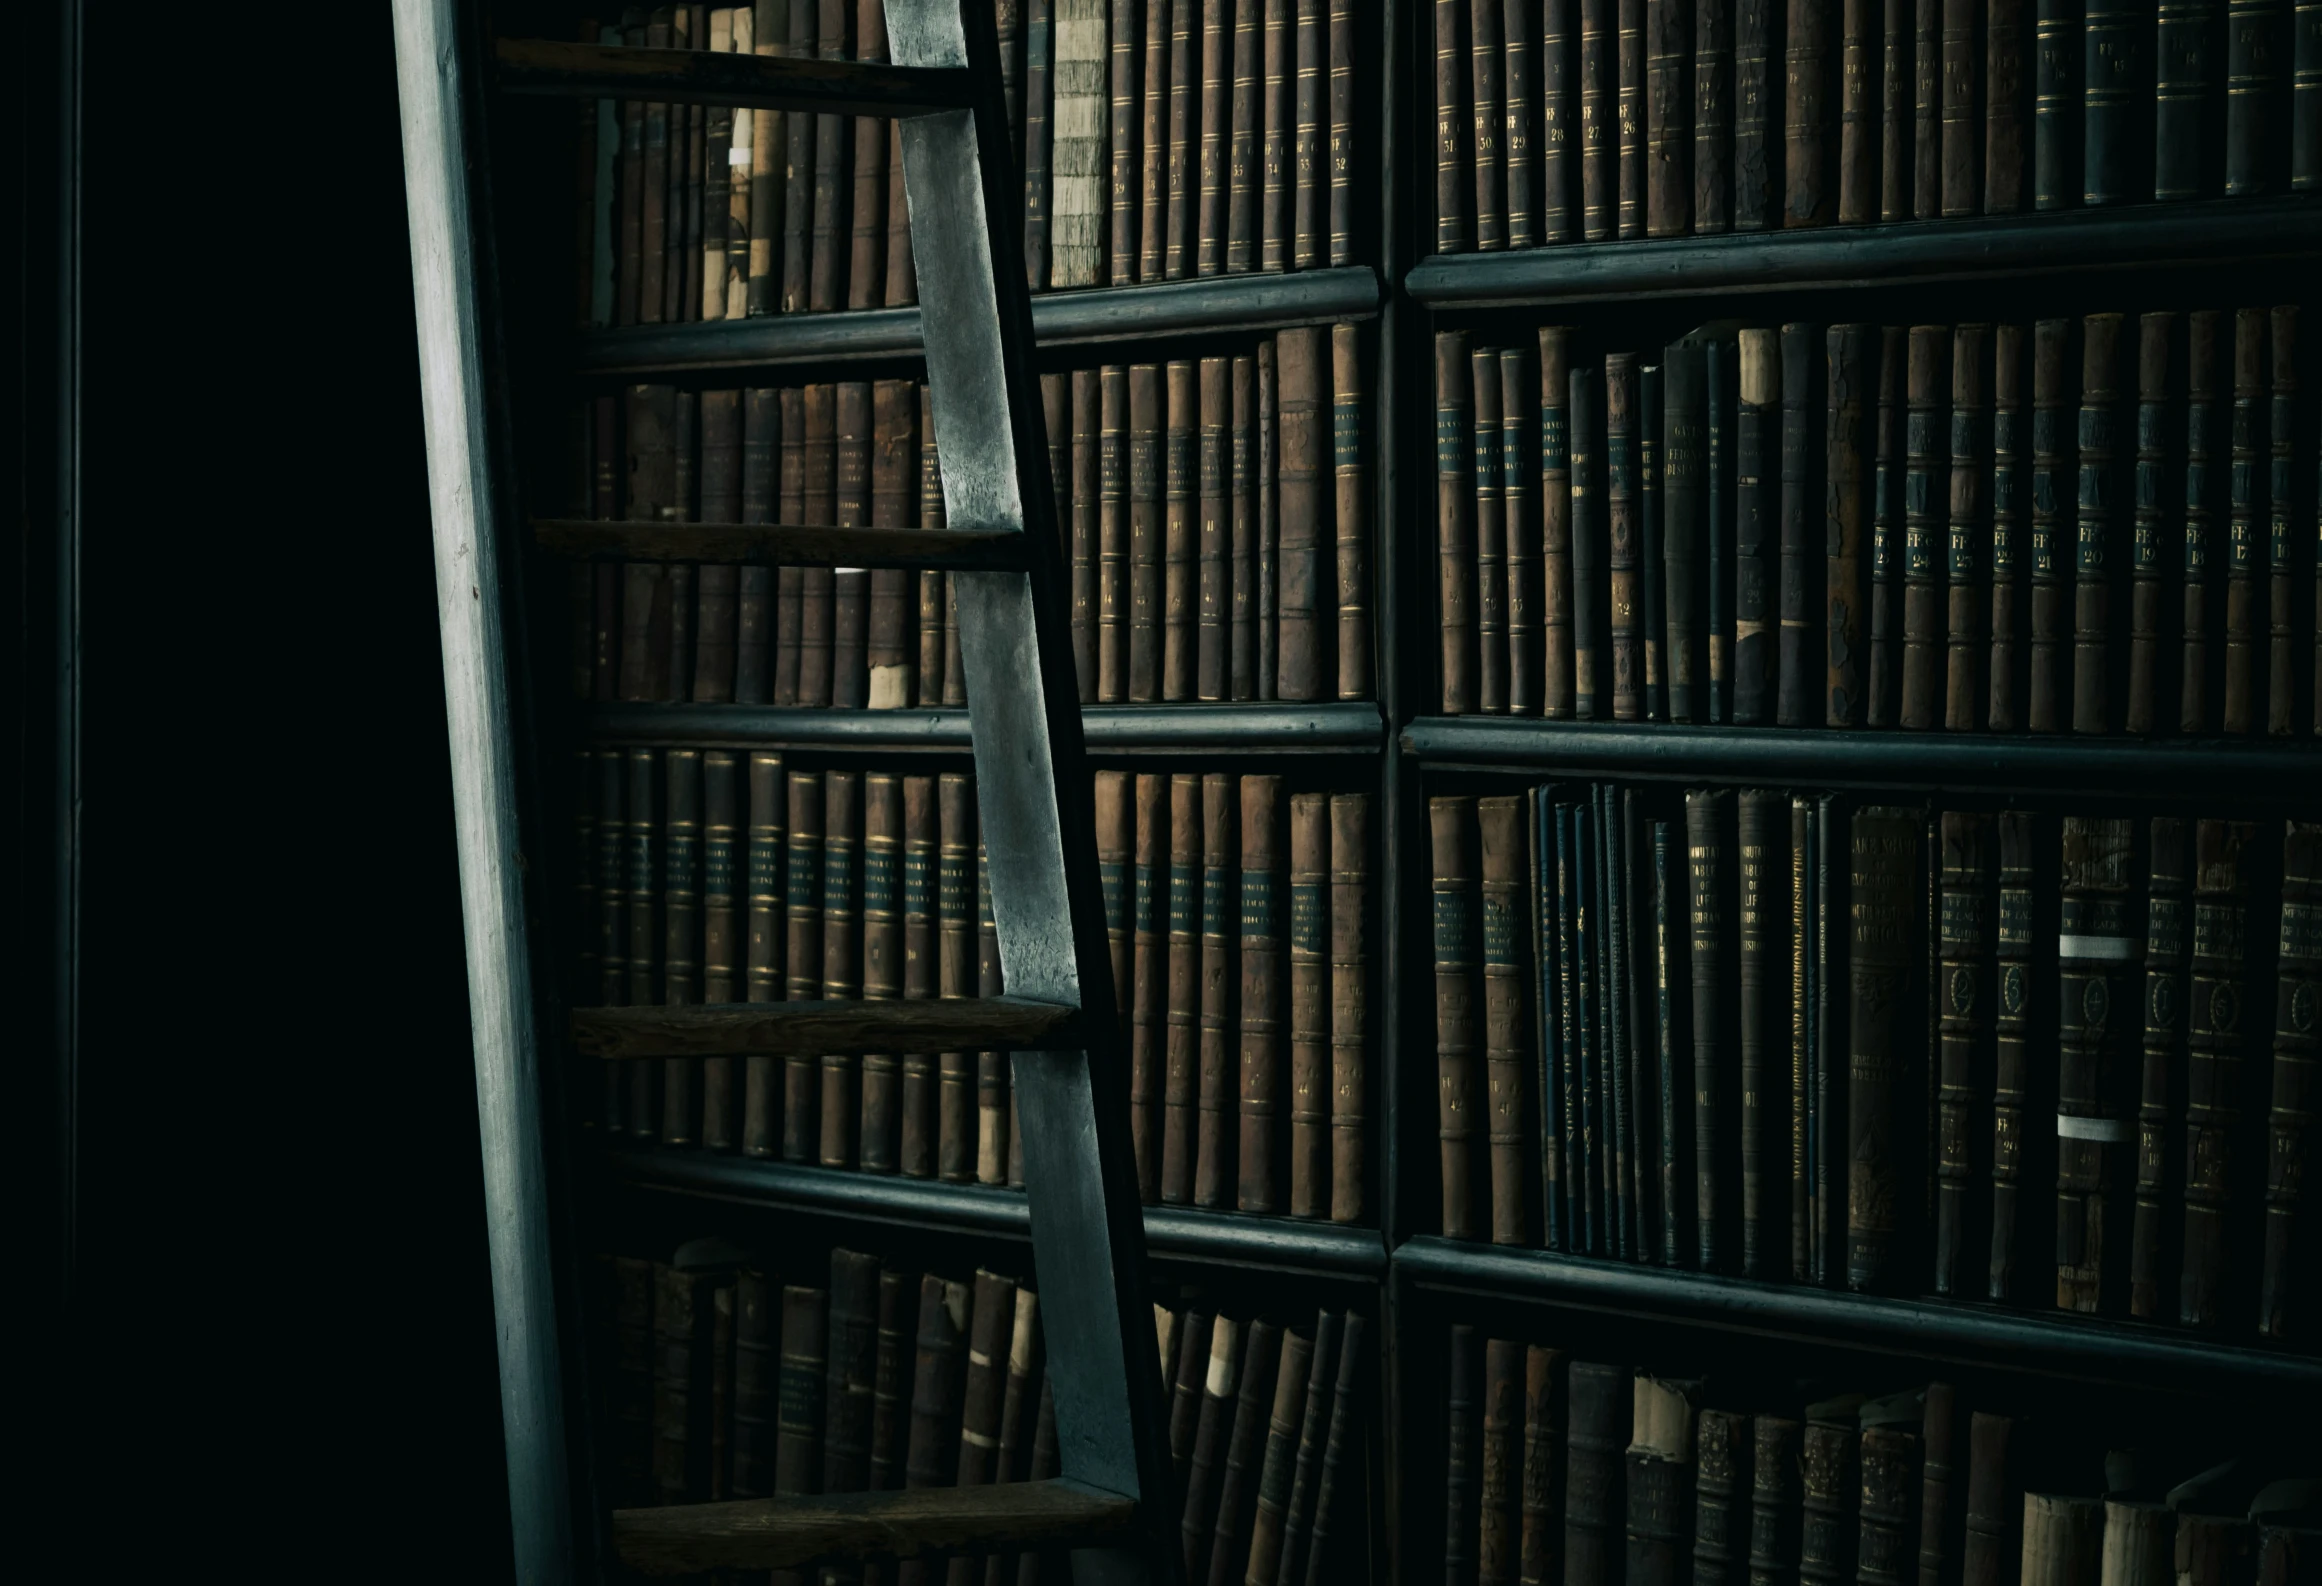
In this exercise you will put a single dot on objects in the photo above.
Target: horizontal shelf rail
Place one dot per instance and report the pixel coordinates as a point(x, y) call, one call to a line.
point(787, 1029)
point(1059, 319)
point(791, 545)
point(1966, 1334)
point(2138, 236)
point(1107, 729)
point(1177, 1232)
point(1855, 758)
point(697, 77)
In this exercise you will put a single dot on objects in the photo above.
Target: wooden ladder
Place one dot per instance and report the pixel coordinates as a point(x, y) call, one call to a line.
point(1004, 547)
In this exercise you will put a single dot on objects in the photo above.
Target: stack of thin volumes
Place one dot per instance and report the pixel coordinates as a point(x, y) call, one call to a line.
point(712, 876)
point(1589, 120)
point(2095, 525)
point(1597, 1475)
point(1775, 1034)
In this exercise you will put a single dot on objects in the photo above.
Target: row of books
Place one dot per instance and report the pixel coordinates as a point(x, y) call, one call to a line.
point(1155, 142)
point(1861, 1002)
point(1707, 116)
point(709, 876)
point(1866, 526)
point(1595, 1475)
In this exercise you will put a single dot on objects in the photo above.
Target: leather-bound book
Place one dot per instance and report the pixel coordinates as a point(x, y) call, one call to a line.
point(1451, 824)
point(1989, 1554)
point(1487, 115)
point(1262, 894)
point(1660, 1483)
point(881, 896)
point(1926, 91)
point(1267, 1491)
point(1941, 1495)
point(673, 672)
point(754, 226)
point(1212, 1433)
point(917, 1130)
point(851, 1374)
point(1847, 459)
point(1077, 484)
point(755, 1385)
point(654, 226)
point(1624, 535)
point(720, 936)
point(1890, 1492)
point(1599, 68)
point(2056, 104)
point(1181, 212)
point(955, 971)
point(761, 432)
point(2286, 1277)
point(1213, 587)
point(1763, 927)
point(1454, 183)
point(2159, 1091)
point(1462, 1454)
point(890, 1380)
point(651, 428)
point(1860, 123)
point(1757, 114)
point(1243, 171)
point(608, 864)
point(1180, 534)
point(1039, 68)
point(1555, 523)
point(1629, 114)
point(2011, 1026)
point(1116, 817)
point(2189, 109)
point(1829, 1460)
point(1723, 375)
point(1685, 528)
point(2063, 1540)
point(2305, 104)
point(2155, 333)
point(790, 582)
point(1755, 512)
point(2256, 100)
point(2097, 548)
point(1927, 380)
point(798, 1438)
point(2205, 433)
point(997, 1161)
point(2009, 545)
point(983, 1396)
point(826, 275)
point(1540, 1537)
point(1147, 424)
point(1775, 1494)
point(1019, 1413)
point(1519, 30)
point(1796, 606)
point(1666, 1163)
point(1706, 869)
point(1124, 81)
point(1721, 1481)
point(1153, 141)
point(1504, 866)
point(2117, 120)
point(2281, 490)
point(1882, 676)
point(2007, 108)
point(1297, 1505)
point(1190, 1347)
point(1269, 533)
point(1491, 535)
point(2213, 1080)
point(1807, 928)
point(1559, 128)
point(712, 681)
point(1668, 117)
point(1964, 549)
point(866, 269)
point(2138, 1544)
point(1149, 978)
point(1968, 857)
point(842, 955)
point(1228, 1547)
point(1497, 1469)
point(851, 586)
point(2097, 962)
point(889, 640)
point(768, 906)
point(1962, 83)
point(1713, 116)
point(682, 1321)
point(1596, 1438)
point(681, 935)
point(818, 586)
point(2051, 447)
point(643, 878)
point(1808, 90)
point(606, 461)
point(1242, 532)
point(1214, 1165)
point(1078, 150)
point(1455, 529)
point(942, 681)
point(1278, 53)
point(1335, 218)
point(2213, 1550)
point(1350, 970)
point(1111, 499)
point(1351, 477)
point(1181, 1066)
point(938, 1370)
point(1303, 666)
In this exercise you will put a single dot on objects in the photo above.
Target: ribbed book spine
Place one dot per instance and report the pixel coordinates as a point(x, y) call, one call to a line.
point(2155, 334)
point(1261, 893)
point(2298, 986)
point(2204, 433)
point(2213, 1080)
point(1455, 524)
point(1556, 520)
point(1451, 823)
point(1350, 970)
point(1968, 859)
point(1180, 1083)
point(1965, 558)
point(2096, 549)
point(1846, 570)
point(2160, 1085)
point(1755, 509)
point(1214, 1171)
point(2096, 959)
point(1148, 1039)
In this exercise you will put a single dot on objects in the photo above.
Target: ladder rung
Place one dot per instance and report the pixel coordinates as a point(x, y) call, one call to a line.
point(792, 545)
point(697, 77)
point(778, 1533)
point(741, 1029)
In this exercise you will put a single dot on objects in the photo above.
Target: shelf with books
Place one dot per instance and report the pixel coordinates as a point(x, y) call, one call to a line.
point(2086, 1349)
point(2074, 242)
point(1059, 319)
point(1340, 728)
point(1921, 760)
point(1180, 1233)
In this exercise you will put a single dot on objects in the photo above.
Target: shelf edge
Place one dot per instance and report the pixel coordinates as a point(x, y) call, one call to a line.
point(1355, 726)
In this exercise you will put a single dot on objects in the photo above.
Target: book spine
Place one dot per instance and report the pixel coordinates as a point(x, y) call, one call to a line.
point(2118, 106)
point(1890, 1473)
point(682, 1321)
point(1454, 189)
point(1629, 113)
point(1498, 1471)
point(1491, 534)
point(1599, 69)
point(1596, 1437)
point(1754, 511)
point(1668, 117)
point(996, 1161)
point(1504, 863)
point(2204, 430)
point(2213, 1081)
point(1216, 137)
point(1269, 535)
point(1805, 958)
point(1624, 534)
point(1860, 111)
point(643, 877)
point(1961, 83)
point(1242, 535)
point(2155, 332)
point(1685, 530)
point(721, 808)
point(2011, 1023)
point(2188, 109)
point(1214, 1170)
point(1721, 1472)
point(805, 873)
point(1670, 1014)
point(1653, 612)
point(1278, 54)
point(1775, 1498)
point(2063, 1540)
point(1560, 127)
point(1926, 382)
point(1451, 823)
point(983, 1395)
point(1796, 606)
point(1019, 1409)
point(1895, 90)
point(721, 457)
point(2298, 982)
point(1927, 108)
point(1126, 84)
point(826, 265)
point(1939, 1508)
point(798, 1436)
point(1881, 671)
point(842, 956)
point(1078, 151)
point(754, 619)
point(2003, 711)
point(1075, 469)
point(1147, 1001)
point(768, 906)
point(1180, 1085)
point(2056, 103)
point(1758, 71)
point(2305, 116)
point(918, 1131)
point(2255, 100)
point(1989, 1555)
point(1147, 426)
point(1455, 528)
point(2096, 552)
point(790, 508)
point(1263, 1358)
point(1326, 1362)
point(2096, 956)
point(1298, 1384)
point(1302, 444)
point(756, 1385)
point(867, 252)
point(681, 934)
point(2160, 1087)
point(1808, 200)
point(1705, 824)
point(1462, 1455)
point(1487, 112)
point(1713, 116)
point(2051, 376)
point(1845, 575)
point(2282, 503)
point(1519, 155)
point(1195, 1334)
point(888, 637)
point(955, 968)
point(1969, 525)
point(608, 866)
point(1180, 198)
point(1211, 1433)
point(898, 1296)
point(1966, 943)
point(881, 897)
point(1556, 549)
point(1242, 149)
point(1762, 925)
point(850, 586)
point(1350, 970)
point(1829, 1461)
point(1260, 1019)
point(1039, 70)
point(1351, 477)
point(1540, 1537)
point(1310, 200)
point(1214, 595)
point(818, 586)
point(1112, 535)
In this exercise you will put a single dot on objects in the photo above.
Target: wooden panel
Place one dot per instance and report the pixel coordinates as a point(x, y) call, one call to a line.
point(789, 545)
point(739, 1029)
point(777, 1533)
point(697, 77)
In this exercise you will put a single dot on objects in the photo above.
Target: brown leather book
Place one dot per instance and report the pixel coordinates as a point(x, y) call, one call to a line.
point(1350, 969)
point(1506, 865)
point(1269, 536)
point(890, 1380)
point(1350, 470)
point(1519, 30)
point(955, 970)
point(2281, 492)
point(1927, 109)
point(866, 278)
point(1796, 606)
point(1455, 537)
point(1214, 600)
point(1669, 44)
point(1181, 199)
point(1629, 109)
point(720, 483)
point(1968, 859)
point(818, 586)
point(827, 263)
point(1148, 1037)
point(1339, 61)
point(1310, 985)
point(1127, 125)
point(1806, 100)
point(1212, 1432)
point(1487, 122)
point(1491, 534)
point(674, 673)
point(2205, 431)
point(681, 935)
point(2051, 448)
point(687, 183)
point(1499, 1470)
point(1624, 537)
point(1599, 168)
point(1847, 460)
point(1757, 114)
point(1215, 129)
point(2011, 1026)
point(1181, 534)
point(1228, 1547)
point(629, 202)
point(1019, 1413)
point(1927, 381)
point(1214, 1165)
point(996, 1158)
point(1451, 824)
point(1081, 484)
point(1558, 129)
point(842, 955)
point(1989, 1553)
point(651, 428)
point(1882, 668)
point(983, 1397)
point(1540, 1537)
point(917, 1135)
point(1596, 1437)
point(1116, 821)
point(1181, 1062)
point(1962, 81)
point(1963, 561)
point(2214, 1087)
point(1303, 666)
point(643, 882)
point(2007, 109)
point(1242, 532)
point(1310, 196)
point(938, 1371)
point(2286, 1283)
point(1775, 1495)
point(1298, 1383)
point(1152, 141)
point(798, 1436)
point(1195, 1333)
point(881, 889)
point(1721, 1440)
point(1243, 171)
point(1262, 892)
point(1895, 92)
point(1345, 1430)
point(1112, 608)
point(769, 897)
point(756, 1385)
point(1591, 670)
point(1555, 523)
point(1462, 1450)
point(938, 607)
point(1890, 1497)
point(2211, 1550)
point(2097, 957)
point(2097, 554)
point(682, 1319)
point(2063, 1540)
point(1940, 1507)
point(1276, 82)
point(851, 586)
point(2010, 558)
point(889, 639)
point(851, 1373)
point(1859, 111)
point(2159, 1088)
point(720, 932)
point(790, 508)
point(1829, 1463)
point(1147, 423)
point(1298, 1506)
point(754, 617)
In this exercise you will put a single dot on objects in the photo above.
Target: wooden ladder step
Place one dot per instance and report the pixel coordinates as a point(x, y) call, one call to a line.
point(790, 545)
point(755, 1029)
point(697, 77)
point(779, 1533)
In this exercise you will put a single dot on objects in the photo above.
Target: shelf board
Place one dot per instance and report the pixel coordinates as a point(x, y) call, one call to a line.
point(1173, 1232)
point(1868, 759)
point(1338, 728)
point(1978, 1335)
point(2224, 231)
point(1059, 319)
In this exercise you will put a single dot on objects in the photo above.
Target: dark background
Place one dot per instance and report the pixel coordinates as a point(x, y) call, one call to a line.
point(279, 1345)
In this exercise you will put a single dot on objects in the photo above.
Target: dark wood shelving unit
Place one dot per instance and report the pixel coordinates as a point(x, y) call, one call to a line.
point(1348, 728)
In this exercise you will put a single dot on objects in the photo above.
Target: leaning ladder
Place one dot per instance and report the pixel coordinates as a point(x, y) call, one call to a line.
point(1004, 547)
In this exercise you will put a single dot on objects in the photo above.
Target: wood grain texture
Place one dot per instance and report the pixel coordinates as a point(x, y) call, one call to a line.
point(737, 1029)
point(789, 545)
